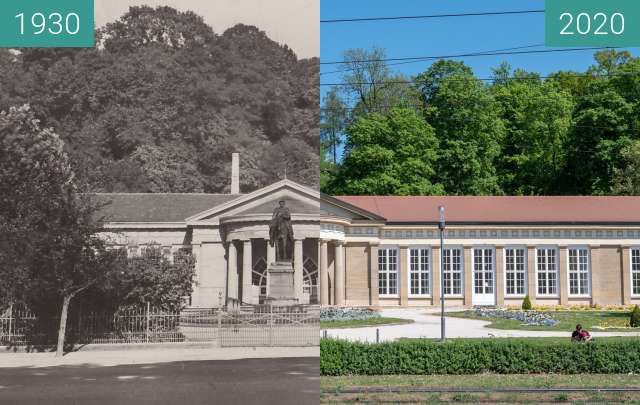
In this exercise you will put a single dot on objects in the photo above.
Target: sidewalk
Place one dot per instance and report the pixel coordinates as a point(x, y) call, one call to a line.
point(150, 355)
point(427, 325)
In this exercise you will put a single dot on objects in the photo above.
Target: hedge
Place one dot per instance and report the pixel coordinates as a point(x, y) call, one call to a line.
point(473, 356)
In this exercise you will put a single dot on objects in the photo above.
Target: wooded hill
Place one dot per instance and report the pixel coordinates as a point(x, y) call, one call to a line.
point(163, 101)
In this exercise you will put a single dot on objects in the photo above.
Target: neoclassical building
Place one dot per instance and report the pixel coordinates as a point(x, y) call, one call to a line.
point(385, 251)
point(227, 233)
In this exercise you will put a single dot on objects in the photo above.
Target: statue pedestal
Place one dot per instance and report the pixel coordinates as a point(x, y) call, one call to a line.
point(281, 291)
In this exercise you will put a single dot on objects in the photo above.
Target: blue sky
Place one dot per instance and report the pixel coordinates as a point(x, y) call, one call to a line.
point(408, 38)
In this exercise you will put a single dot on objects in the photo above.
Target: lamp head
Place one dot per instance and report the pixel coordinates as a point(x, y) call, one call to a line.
point(441, 223)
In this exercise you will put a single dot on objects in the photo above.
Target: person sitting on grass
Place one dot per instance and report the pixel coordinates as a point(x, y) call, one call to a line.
point(580, 335)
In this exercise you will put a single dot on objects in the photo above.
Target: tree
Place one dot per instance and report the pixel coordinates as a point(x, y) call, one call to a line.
point(334, 121)
point(626, 180)
point(151, 278)
point(389, 154)
point(466, 119)
point(58, 229)
point(537, 119)
point(366, 75)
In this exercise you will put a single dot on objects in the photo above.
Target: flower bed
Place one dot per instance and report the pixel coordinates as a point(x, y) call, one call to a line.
point(347, 314)
point(529, 318)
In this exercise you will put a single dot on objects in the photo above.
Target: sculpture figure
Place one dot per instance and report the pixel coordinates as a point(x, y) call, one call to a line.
point(281, 232)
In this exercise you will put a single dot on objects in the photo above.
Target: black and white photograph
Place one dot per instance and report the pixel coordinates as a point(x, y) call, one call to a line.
point(159, 208)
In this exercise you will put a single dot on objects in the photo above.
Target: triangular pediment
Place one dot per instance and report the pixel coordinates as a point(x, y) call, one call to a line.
point(300, 199)
point(334, 208)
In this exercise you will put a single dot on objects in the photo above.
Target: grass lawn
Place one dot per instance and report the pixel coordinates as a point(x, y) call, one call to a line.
point(568, 320)
point(363, 323)
point(482, 381)
point(333, 388)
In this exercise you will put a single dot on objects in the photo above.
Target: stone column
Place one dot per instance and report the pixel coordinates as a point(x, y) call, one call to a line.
point(271, 253)
point(232, 272)
point(563, 274)
point(373, 275)
point(532, 282)
point(324, 273)
point(467, 279)
point(247, 264)
point(340, 276)
point(626, 275)
point(297, 270)
point(595, 273)
point(195, 296)
point(499, 274)
point(436, 269)
point(403, 282)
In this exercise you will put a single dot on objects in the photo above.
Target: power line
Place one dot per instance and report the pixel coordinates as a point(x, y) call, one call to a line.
point(479, 53)
point(421, 17)
point(419, 58)
point(558, 75)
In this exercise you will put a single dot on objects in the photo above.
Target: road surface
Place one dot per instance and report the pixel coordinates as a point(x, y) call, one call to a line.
point(293, 381)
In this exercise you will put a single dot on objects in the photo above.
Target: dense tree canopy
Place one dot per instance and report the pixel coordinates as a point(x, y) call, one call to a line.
point(162, 103)
point(519, 134)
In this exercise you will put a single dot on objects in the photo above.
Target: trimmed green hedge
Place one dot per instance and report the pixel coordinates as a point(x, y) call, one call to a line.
point(473, 356)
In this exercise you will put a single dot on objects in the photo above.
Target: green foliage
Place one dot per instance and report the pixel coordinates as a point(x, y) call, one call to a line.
point(473, 356)
point(526, 303)
point(573, 133)
point(634, 320)
point(389, 154)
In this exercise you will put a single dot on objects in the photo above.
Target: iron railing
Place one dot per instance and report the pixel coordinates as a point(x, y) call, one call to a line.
point(236, 326)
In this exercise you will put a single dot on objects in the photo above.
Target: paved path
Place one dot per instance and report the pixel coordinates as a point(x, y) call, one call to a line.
point(427, 325)
point(150, 355)
point(289, 381)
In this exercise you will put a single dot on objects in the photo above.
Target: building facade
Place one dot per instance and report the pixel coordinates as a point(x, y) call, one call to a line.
point(385, 251)
point(228, 235)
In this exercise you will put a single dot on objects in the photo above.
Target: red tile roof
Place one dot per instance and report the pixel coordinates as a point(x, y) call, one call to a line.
point(504, 209)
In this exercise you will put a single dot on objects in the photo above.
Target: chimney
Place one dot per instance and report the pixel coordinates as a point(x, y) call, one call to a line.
point(235, 173)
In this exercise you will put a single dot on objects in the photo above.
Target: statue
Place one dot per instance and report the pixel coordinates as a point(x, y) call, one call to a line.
point(281, 232)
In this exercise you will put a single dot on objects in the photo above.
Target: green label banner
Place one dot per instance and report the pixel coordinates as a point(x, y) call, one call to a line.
point(614, 23)
point(46, 24)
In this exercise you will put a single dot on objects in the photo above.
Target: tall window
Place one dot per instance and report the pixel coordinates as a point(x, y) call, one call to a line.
point(635, 271)
point(419, 271)
point(578, 271)
point(515, 271)
point(547, 271)
point(452, 267)
point(388, 271)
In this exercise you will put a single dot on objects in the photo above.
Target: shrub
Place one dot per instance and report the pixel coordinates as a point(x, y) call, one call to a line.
point(526, 303)
point(473, 356)
point(634, 320)
point(347, 314)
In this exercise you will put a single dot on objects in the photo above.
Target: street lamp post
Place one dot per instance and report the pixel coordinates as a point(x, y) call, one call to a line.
point(441, 226)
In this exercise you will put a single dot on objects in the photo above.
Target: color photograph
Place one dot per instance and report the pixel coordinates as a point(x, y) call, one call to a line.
point(480, 223)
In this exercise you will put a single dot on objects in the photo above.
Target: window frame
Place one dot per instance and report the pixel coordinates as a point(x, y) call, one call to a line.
point(429, 271)
point(526, 270)
point(631, 249)
point(557, 272)
point(462, 271)
point(397, 271)
point(493, 249)
point(589, 270)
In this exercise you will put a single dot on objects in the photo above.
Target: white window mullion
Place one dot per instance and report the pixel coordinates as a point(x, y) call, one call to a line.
point(515, 271)
point(419, 272)
point(635, 271)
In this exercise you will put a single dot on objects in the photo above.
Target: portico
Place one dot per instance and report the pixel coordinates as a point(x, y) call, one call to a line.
point(227, 234)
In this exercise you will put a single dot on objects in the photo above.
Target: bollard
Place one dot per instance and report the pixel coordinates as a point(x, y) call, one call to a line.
point(377, 335)
point(324, 333)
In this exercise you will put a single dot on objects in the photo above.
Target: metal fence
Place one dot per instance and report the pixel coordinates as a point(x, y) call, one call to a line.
point(246, 326)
